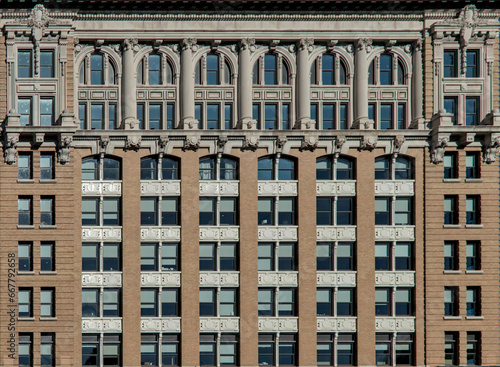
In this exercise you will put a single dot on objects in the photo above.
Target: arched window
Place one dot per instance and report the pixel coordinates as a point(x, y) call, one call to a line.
point(154, 72)
point(96, 69)
point(270, 70)
point(328, 168)
point(385, 71)
point(154, 168)
point(342, 73)
point(211, 72)
point(272, 168)
point(225, 168)
point(95, 168)
point(328, 70)
point(267, 72)
point(402, 169)
point(213, 69)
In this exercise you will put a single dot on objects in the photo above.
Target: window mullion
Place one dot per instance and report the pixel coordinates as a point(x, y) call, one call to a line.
point(217, 256)
point(279, 69)
point(393, 301)
point(393, 256)
point(160, 166)
point(393, 211)
point(276, 301)
point(158, 302)
point(334, 300)
point(101, 300)
point(217, 211)
point(276, 209)
point(163, 70)
point(217, 350)
point(334, 211)
point(217, 164)
point(261, 70)
point(393, 349)
point(203, 76)
point(158, 210)
point(395, 71)
point(88, 71)
point(376, 71)
point(217, 301)
point(336, 63)
point(275, 256)
point(335, 342)
point(101, 256)
point(334, 252)
point(106, 69)
point(101, 210)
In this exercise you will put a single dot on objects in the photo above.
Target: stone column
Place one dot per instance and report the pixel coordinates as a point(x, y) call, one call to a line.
point(361, 85)
point(417, 100)
point(245, 119)
point(129, 102)
point(188, 121)
point(303, 93)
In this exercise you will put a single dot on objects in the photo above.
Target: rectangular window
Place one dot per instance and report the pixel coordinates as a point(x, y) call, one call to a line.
point(473, 257)
point(266, 257)
point(111, 212)
point(383, 349)
point(47, 260)
point(450, 165)
point(170, 350)
point(149, 302)
point(24, 68)
point(285, 116)
point(386, 121)
point(343, 116)
point(198, 115)
point(450, 63)
point(324, 209)
point(450, 106)
point(328, 116)
point(213, 116)
point(471, 111)
point(46, 111)
point(473, 348)
point(472, 162)
point(170, 257)
point(96, 69)
point(170, 116)
point(170, 302)
point(25, 349)
point(90, 302)
point(383, 302)
point(25, 302)
point(266, 211)
point(25, 256)
point(228, 215)
point(345, 302)
point(287, 350)
point(286, 211)
point(451, 347)
point(403, 211)
point(286, 257)
point(112, 116)
point(382, 256)
point(472, 209)
point(270, 117)
point(451, 301)
point(256, 114)
point(47, 349)
point(207, 211)
point(208, 260)
point(149, 212)
point(140, 115)
point(403, 258)
point(472, 64)
point(286, 302)
point(450, 209)
point(473, 304)
point(451, 255)
point(403, 302)
point(345, 211)
point(47, 302)
point(208, 302)
point(97, 116)
point(90, 350)
point(266, 302)
point(401, 116)
point(228, 260)
point(149, 350)
point(371, 112)
point(25, 111)
point(228, 116)
point(155, 117)
point(47, 166)
point(266, 350)
point(344, 352)
point(111, 302)
point(149, 257)
point(91, 259)
point(404, 349)
point(47, 211)
point(24, 166)
point(382, 211)
point(25, 210)
point(82, 115)
point(314, 114)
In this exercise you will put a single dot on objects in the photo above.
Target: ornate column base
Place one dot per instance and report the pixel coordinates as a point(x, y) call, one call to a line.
point(305, 124)
point(418, 123)
point(247, 124)
point(363, 123)
point(189, 123)
point(130, 123)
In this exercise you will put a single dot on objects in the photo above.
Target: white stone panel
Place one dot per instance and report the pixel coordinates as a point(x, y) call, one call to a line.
point(329, 188)
point(271, 324)
point(336, 278)
point(222, 233)
point(101, 234)
point(277, 233)
point(222, 188)
point(160, 233)
point(224, 279)
point(277, 188)
point(278, 279)
point(336, 233)
point(160, 188)
point(98, 324)
point(170, 324)
point(160, 279)
point(340, 324)
point(394, 233)
point(404, 187)
point(110, 279)
point(395, 278)
point(101, 188)
point(393, 324)
point(223, 324)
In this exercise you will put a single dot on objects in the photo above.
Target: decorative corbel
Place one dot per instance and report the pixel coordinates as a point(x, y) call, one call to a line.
point(10, 148)
point(398, 143)
point(369, 142)
point(305, 44)
point(221, 143)
point(438, 149)
point(189, 43)
point(309, 143)
point(133, 142)
point(363, 44)
point(162, 144)
point(490, 149)
point(157, 44)
point(339, 144)
point(191, 143)
point(103, 144)
point(98, 44)
point(214, 44)
point(330, 45)
point(247, 43)
point(280, 143)
point(273, 44)
point(64, 149)
point(389, 44)
point(251, 143)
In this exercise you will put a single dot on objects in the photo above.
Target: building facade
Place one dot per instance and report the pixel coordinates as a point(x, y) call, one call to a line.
point(249, 183)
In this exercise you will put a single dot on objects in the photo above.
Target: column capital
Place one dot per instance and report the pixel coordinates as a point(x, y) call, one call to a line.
point(305, 44)
point(418, 44)
point(363, 43)
point(247, 44)
point(189, 43)
point(129, 43)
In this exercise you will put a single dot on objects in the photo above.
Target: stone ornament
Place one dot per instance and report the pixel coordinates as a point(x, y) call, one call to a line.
point(64, 149)
point(10, 149)
point(438, 149)
point(341, 324)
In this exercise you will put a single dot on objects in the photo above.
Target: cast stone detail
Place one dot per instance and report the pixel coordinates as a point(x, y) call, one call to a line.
point(160, 188)
point(98, 324)
point(223, 233)
point(336, 233)
point(223, 188)
point(107, 279)
point(277, 188)
point(278, 324)
point(161, 279)
point(224, 279)
point(160, 233)
point(101, 188)
point(394, 324)
point(277, 233)
point(223, 324)
point(405, 187)
point(278, 279)
point(328, 188)
point(170, 324)
point(341, 324)
point(394, 233)
point(101, 234)
point(336, 278)
point(395, 278)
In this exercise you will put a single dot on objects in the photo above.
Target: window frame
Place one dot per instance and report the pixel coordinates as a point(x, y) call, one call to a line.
point(49, 303)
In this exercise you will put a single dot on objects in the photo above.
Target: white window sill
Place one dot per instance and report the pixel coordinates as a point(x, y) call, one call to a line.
point(26, 319)
point(450, 226)
point(49, 272)
point(25, 180)
point(451, 180)
point(474, 272)
point(25, 226)
point(48, 318)
point(25, 272)
point(452, 317)
point(473, 180)
point(474, 317)
point(48, 226)
point(49, 181)
point(452, 271)
point(474, 226)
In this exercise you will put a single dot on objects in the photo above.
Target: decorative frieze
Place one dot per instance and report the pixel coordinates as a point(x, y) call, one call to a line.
point(394, 324)
point(329, 188)
point(222, 233)
point(160, 188)
point(98, 324)
point(108, 279)
point(277, 233)
point(164, 324)
point(336, 278)
point(340, 324)
point(224, 324)
point(101, 234)
point(160, 279)
point(160, 233)
point(395, 278)
point(336, 233)
point(274, 324)
point(224, 279)
point(101, 188)
point(278, 279)
point(222, 188)
point(405, 187)
point(394, 233)
point(277, 188)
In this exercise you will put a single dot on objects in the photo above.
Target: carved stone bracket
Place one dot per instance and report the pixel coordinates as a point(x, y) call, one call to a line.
point(191, 143)
point(248, 43)
point(490, 149)
point(309, 143)
point(339, 143)
point(162, 144)
point(305, 44)
point(251, 143)
point(10, 148)
point(363, 43)
point(103, 144)
point(189, 43)
point(64, 149)
point(221, 143)
point(437, 149)
point(399, 140)
point(133, 142)
point(369, 142)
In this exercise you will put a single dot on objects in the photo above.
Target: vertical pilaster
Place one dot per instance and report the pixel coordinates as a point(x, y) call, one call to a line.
point(187, 85)
point(417, 100)
point(304, 121)
point(129, 103)
point(361, 85)
point(245, 120)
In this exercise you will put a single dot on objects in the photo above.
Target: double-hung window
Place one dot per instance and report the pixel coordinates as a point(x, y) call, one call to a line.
point(335, 211)
point(101, 350)
point(332, 256)
point(472, 163)
point(218, 211)
point(279, 210)
point(473, 255)
point(25, 302)
point(47, 211)
point(24, 64)
point(450, 64)
point(277, 351)
point(47, 256)
point(276, 256)
point(25, 350)
point(450, 255)
point(218, 301)
point(97, 302)
point(101, 211)
point(277, 302)
point(472, 209)
point(396, 256)
point(450, 165)
point(336, 350)
point(160, 302)
point(335, 302)
point(47, 302)
point(159, 257)
point(472, 70)
point(47, 166)
point(25, 210)
point(47, 350)
point(220, 256)
point(450, 105)
point(450, 209)
point(473, 305)
point(104, 256)
point(166, 208)
point(451, 348)
point(451, 301)
point(402, 214)
point(473, 348)
point(159, 347)
point(24, 164)
point(25, 256)
point(218, 349)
